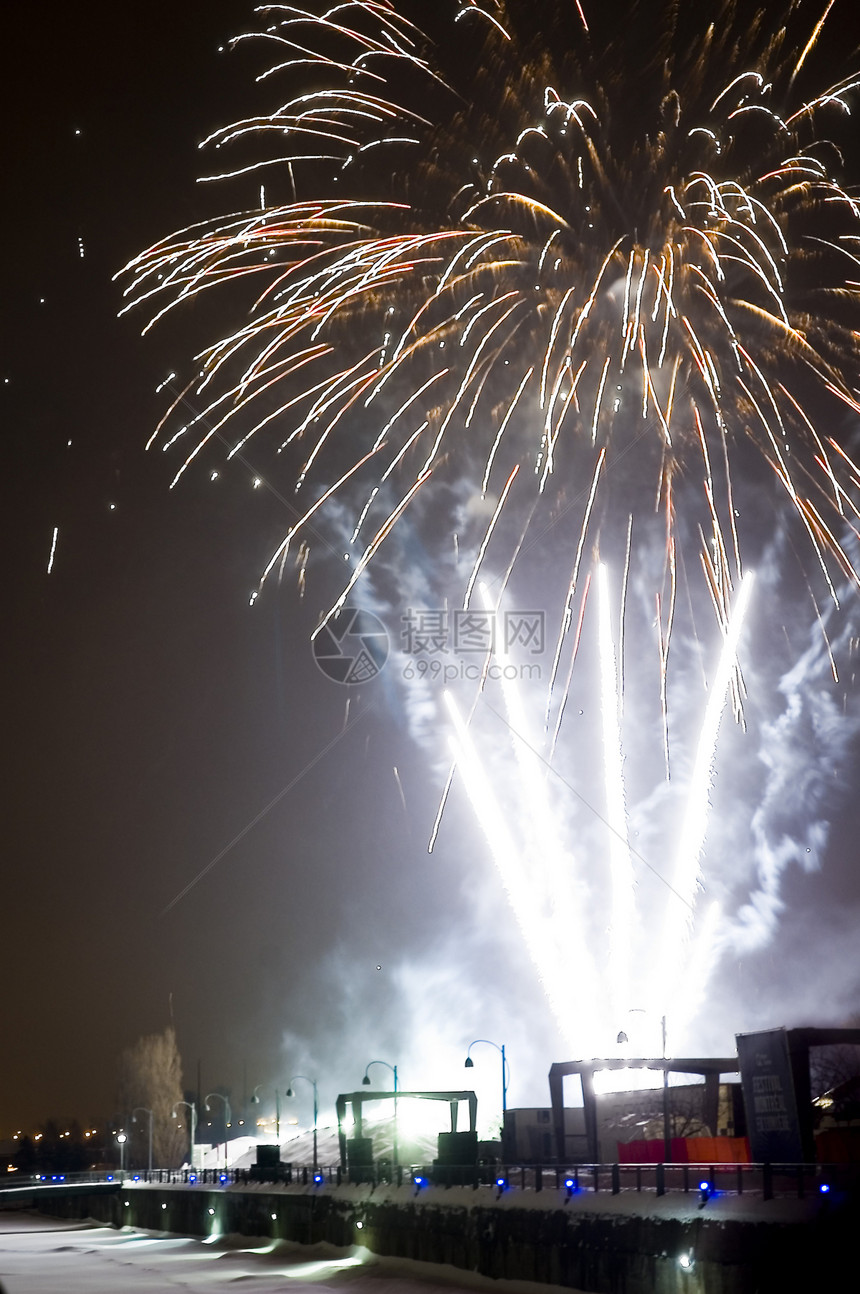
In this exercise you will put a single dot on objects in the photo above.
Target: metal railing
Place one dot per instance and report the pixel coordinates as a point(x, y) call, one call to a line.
point(764, 1181)
point(767, 1181)
point(14, 1181)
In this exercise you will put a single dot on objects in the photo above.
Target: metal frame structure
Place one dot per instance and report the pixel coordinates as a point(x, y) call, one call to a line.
point(710, 1069)
point(357, 1099)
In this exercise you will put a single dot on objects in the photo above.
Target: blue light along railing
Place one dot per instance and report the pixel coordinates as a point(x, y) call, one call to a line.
point(707, 1180)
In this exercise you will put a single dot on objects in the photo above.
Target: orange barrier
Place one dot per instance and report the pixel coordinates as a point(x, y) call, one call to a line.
point(687, 1150)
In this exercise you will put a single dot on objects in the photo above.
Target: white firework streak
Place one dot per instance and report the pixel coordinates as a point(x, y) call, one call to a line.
point(621, 866)
point(535, 923)
point(551, 866)
point(687, 873)
point(691, 981)
point(53, 549)
point(545, 883)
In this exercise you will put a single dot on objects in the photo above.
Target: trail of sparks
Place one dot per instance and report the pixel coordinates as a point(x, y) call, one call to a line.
point(553, 889)
point(515, 273)
point(515, 879)
point(622, 920)
point(687, 873)
point(53, 549)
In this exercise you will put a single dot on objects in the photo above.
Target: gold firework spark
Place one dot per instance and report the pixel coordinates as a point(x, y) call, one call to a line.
point(574, 265)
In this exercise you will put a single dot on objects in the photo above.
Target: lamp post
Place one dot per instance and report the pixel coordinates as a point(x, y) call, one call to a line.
point(121, 1139)
point(193, 1108)
point(366, 1083)
point(144, 1110)
point(667, 1130)
point(316, 1109)
point(255, 1100)
point(227, 1118)
point(470, 1064)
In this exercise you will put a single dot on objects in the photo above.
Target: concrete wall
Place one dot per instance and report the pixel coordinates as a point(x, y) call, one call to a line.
point(586, 1251)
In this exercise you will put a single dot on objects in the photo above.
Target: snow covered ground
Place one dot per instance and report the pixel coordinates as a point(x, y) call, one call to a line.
point(41, 1256)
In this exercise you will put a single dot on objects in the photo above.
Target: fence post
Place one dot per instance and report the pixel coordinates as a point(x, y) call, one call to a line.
point(767, 1181)
point(661, 1179)
point(538, 1177)
point(616, 1179)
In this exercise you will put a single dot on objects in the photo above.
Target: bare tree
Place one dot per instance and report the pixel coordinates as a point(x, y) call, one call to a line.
point(150, 1079)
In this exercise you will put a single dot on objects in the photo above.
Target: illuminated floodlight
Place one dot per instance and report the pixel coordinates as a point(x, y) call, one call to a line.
point(319, 1179)
point(824, 1188)
point(211, 1213)
point(686, 1262)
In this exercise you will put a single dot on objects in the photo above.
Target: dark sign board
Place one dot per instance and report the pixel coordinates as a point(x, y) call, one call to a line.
point(773, 1125)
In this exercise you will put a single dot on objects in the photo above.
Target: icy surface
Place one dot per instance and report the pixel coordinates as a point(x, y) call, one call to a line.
point(41, 1256)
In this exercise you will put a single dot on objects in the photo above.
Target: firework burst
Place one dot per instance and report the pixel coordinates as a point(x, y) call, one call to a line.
point(572, 257)
point(606, 271)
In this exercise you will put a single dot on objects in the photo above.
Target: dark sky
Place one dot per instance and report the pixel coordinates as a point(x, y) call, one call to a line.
point(150, 715)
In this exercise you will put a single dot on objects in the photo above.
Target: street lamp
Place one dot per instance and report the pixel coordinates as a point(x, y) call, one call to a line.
point(470, 1064)
point(366, 1083)
point(227, 1118)
point(121, 1139)
point(316, 1108)
point(255, 1100)
point(144, 1110)
point(193, 1108)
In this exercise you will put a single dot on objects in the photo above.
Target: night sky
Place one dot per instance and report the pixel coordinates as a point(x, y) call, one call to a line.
point(150, 714)
point(152, 717)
